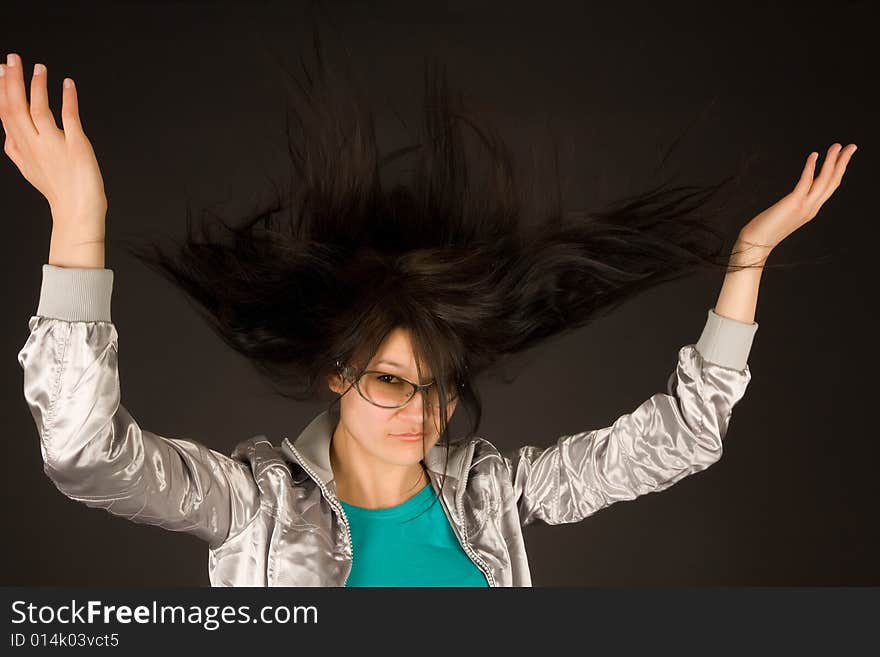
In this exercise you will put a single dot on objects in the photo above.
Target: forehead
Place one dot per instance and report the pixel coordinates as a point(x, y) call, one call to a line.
point(396, 353)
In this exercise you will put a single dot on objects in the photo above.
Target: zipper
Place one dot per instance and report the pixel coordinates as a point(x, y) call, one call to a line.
point(333, 502)
point(462, 537)
point(458, 498)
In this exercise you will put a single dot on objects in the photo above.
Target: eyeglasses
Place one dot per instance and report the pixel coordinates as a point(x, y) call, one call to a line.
point(391, 391)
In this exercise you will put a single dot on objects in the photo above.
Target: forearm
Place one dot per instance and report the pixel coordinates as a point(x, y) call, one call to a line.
point(739, 292)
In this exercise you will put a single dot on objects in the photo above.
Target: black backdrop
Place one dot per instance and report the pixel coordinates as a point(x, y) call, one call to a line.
point(175, 95)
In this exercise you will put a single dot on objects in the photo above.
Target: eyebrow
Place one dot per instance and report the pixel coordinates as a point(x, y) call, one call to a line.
point(388, 362)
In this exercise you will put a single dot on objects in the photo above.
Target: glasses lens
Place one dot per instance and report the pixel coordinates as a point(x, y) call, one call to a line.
point(390, 391)
point(385, 389)
point(433, 395)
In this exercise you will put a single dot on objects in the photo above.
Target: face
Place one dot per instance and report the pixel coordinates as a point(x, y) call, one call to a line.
point(373, 428)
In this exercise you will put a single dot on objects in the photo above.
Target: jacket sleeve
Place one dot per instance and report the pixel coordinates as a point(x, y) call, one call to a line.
point(668, 437)
point(93, 450)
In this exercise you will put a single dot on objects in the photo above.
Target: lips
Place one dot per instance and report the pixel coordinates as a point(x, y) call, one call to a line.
point(410, 437)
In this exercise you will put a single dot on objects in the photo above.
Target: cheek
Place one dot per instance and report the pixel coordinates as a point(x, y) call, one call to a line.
point(371, 421)
point(450, 409)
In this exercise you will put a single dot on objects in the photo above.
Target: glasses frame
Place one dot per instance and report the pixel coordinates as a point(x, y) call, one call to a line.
point(348, 374)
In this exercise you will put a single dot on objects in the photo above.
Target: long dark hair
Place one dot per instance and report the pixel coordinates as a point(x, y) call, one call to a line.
point(475, 273)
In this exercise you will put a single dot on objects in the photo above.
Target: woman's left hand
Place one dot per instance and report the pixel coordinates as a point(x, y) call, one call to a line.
point(797, 208)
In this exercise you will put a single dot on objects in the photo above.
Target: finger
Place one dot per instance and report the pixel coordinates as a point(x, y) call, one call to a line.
point(839, 170)
point(806, 179)
point(844, 158)
point(70, 110)
point(3, 100)
point(40, 112)
point(9, 146)
point(16, 113)
point(821, 183)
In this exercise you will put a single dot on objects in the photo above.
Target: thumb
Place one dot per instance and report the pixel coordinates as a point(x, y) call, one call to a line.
point(11, 148)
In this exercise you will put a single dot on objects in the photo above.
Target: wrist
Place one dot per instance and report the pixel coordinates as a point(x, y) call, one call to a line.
point(81, 250)
point(750, 249)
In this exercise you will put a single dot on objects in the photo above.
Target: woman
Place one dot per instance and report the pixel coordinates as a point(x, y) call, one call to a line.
point(392, 300)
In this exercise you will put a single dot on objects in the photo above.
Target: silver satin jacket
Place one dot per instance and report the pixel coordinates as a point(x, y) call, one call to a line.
point(270, 514)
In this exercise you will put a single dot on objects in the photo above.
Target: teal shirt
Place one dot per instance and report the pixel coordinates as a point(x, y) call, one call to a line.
point(393, 547)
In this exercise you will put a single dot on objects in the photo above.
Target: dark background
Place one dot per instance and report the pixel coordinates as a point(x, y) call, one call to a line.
point(175, 97)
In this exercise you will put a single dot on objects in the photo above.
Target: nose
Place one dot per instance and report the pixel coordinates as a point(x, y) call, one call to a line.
point(416, 403)
point(414, 411)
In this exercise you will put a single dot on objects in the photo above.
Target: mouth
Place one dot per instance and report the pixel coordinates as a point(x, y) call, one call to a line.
point(409, 437)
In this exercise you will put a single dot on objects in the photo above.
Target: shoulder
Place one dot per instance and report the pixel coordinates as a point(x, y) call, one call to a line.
point(486, 456)
point(258, 450)
point(270, 468)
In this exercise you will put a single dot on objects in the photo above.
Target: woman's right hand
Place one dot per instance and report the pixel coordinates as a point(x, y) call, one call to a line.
point(60, 164)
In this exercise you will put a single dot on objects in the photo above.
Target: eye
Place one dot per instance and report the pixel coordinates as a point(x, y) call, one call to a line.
point(383, 377)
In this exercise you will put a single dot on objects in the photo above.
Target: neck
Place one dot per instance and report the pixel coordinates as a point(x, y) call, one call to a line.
point(365, 481)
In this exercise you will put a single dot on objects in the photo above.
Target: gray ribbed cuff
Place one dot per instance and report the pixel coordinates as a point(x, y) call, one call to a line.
point(76, 294)
point(726, 341)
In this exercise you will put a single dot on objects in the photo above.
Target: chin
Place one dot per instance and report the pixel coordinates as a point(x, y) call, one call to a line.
point(405, 457)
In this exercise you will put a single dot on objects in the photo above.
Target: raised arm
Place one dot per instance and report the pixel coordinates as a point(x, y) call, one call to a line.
point(674, 434)
point(668, 437)
point(93, 449)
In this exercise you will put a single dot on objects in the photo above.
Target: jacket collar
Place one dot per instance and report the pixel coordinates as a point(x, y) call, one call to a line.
point(313, 445)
